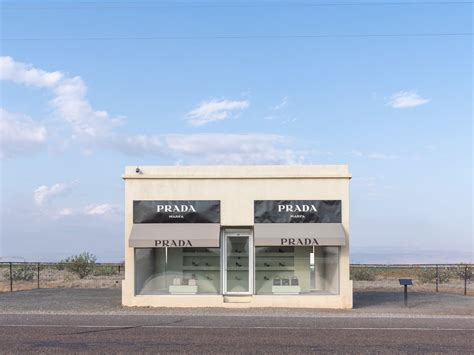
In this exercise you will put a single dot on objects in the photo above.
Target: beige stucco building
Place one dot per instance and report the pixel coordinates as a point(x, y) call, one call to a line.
point(237, 236)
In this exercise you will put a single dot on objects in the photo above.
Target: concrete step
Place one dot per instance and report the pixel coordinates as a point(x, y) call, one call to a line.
point(238, 299)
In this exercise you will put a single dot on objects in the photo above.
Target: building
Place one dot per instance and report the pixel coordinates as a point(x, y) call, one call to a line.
point(237, 236)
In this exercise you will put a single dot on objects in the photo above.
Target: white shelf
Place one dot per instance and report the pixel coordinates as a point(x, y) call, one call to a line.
point(199, 254)
point(259, 255)
point(200, 268)
point(275, 268)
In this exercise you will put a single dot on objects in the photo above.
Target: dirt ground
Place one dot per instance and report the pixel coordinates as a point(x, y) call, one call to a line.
point(53, 278)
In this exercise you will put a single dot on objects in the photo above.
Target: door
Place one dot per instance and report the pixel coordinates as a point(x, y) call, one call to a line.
point(238, 263)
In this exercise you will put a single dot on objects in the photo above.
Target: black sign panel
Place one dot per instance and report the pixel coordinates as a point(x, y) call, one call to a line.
point(297, 211)
point(176, 211)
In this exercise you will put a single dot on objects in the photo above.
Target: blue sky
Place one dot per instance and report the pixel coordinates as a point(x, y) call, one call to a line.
point(88, 88)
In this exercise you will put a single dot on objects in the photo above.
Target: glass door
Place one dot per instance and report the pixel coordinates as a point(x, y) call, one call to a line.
point(237, 264)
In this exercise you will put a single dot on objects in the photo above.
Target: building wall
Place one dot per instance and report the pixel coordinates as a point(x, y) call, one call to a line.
point(237, 187)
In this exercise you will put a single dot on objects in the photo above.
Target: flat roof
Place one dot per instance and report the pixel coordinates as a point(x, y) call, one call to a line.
point(237, 172)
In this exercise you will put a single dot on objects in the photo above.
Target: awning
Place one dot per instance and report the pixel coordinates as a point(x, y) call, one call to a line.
point(156, 235)
point(299, 234)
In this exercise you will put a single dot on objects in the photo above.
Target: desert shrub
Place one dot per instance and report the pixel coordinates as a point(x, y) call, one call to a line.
point(428, 275)
point(459, 271)
point(82, 264)
point(362, 274)
point(21, 273)
point(105, 270)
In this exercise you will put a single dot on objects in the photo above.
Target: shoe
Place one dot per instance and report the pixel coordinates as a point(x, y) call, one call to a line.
point(282, 264)
point(266, 264)
point(238, 264)
point(266, 278)
point(195, 264)
point(281, 250)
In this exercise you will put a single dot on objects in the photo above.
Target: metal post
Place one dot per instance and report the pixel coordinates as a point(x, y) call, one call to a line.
point(465, 281)
point(38, 276)
point(119, 269)
point(437, 277)
point(406, 295)
point(11, 277)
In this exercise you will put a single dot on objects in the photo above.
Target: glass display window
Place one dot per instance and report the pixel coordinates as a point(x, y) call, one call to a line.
point(177, 271)
point(286, 270)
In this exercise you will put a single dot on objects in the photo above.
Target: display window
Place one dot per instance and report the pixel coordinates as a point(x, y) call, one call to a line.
point(296, 270)
point(177, 271)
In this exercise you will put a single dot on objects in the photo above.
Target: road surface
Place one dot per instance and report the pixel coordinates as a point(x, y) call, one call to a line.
point(233, 334)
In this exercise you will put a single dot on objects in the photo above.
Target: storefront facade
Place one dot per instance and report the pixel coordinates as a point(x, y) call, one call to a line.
point(237, 236)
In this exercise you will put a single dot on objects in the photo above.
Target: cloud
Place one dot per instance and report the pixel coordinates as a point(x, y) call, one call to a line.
point(69, 100)
point(19, 134)
point(92, 127)
point(282, 104)
point(375, 156)
point(43, 194)
point(28, 75)
point(214, 148)
point(406, 99)
point(214, 110)
point(100, 209)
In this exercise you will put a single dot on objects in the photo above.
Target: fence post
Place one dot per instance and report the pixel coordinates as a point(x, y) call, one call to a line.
point(437, 277)
point(11, 276)
point(38, 276)
point(119, 268)
point(465, 281)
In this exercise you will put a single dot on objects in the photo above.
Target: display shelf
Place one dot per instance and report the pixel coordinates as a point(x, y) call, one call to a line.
point(238, 255)
point(275, 268)
point(200, 268)
point(286, 290)
point(199, 254)
point(263, 255)
point(238, 268)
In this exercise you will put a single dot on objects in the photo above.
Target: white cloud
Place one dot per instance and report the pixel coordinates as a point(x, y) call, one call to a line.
point(214, 110)
point(215, 148)
point(100, 209)
point(69, 100)
point(19, 134)
point(374, 155)
point(43, 194)
point(406, 99)
point(282, 104)
point(28, 75)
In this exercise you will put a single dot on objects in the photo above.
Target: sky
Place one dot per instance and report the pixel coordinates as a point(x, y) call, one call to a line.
point(90, 87)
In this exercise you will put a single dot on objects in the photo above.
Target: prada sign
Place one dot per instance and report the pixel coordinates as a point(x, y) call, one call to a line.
point(297, 211)
point(181, 243)
point(176, 211)
point(299, 241)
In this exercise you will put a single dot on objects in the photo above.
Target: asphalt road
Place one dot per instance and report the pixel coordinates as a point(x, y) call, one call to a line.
point(93, 321)
point(232, 334)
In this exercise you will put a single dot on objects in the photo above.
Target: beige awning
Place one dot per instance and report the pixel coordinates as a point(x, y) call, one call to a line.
point(176, 235)
point(299, 234)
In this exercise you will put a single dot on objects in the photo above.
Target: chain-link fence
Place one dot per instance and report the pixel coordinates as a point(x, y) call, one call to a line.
point(447, 278)
point(16, 276)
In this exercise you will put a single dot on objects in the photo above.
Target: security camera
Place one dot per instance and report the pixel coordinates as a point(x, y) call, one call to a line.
point(137, 170)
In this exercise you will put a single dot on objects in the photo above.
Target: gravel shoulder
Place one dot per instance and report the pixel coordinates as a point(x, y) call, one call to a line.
point(107, 302)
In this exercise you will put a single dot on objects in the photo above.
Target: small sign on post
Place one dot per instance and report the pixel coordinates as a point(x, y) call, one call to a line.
point(405, 283)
